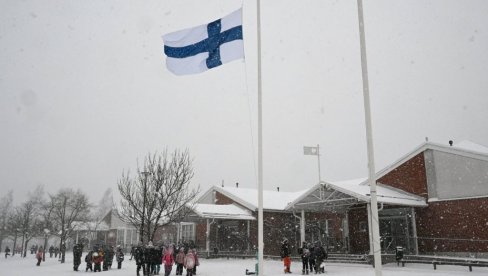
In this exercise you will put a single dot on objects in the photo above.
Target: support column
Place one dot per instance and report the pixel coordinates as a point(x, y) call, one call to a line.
point(248, 235)
point(414, 233)
point(207, 238)
point(302, 228)
point(370, 232)
point(346, 232)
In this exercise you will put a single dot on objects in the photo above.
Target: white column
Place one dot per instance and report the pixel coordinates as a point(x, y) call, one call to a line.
point(248, 235)
point(414, 234)
point(370, 234)
point(207, 238)
point(302, 228)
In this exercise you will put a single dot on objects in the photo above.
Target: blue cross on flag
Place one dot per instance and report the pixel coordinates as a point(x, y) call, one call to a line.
point(200, 48)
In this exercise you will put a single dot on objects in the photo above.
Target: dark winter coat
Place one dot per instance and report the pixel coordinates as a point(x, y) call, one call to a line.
point(77, 252)
point(319, 253)
point(285, 250)
point(119, 255)
point(139, 255)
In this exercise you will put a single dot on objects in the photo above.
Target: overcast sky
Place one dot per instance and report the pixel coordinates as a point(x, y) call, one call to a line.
point(84, 91)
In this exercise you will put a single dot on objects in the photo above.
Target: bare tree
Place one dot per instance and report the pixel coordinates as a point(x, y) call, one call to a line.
point(5, 210)
point(46, 212)
point(160, 193)
point(14, 228)
point(69, 206)
point(29, 217)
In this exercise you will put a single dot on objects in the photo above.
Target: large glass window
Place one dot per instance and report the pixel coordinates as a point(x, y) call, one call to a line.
point(188, 231)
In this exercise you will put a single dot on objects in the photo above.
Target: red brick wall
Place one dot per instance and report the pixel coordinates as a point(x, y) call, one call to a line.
point(465, 220)
point(358, 240)
point(201, 235)
point(410, 176)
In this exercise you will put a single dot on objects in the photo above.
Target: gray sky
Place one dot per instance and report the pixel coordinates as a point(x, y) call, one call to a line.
point(84, 91)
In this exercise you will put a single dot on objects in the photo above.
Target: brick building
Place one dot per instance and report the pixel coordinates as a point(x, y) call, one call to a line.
point(433, 200)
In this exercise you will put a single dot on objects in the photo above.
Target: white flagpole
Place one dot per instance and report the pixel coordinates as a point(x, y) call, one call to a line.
point(260, 149)
point(369, 140)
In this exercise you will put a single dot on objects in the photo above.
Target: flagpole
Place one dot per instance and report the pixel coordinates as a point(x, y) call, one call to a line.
point(369, 140)
point(260, 148)
point(318, 160)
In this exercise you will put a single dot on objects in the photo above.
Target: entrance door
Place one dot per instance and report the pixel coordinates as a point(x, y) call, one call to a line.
point(393, 232)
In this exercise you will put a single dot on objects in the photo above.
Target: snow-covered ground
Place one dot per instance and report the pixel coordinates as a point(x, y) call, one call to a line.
point(17, 266)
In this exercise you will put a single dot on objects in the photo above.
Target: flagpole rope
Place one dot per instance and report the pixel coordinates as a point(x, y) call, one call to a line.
point(246, 80)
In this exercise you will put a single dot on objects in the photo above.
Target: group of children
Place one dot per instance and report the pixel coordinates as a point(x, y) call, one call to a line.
point(313, 257)
point(103, 257)
point(149, 258)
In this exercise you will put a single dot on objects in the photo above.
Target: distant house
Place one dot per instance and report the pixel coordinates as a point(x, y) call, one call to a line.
point(432, 200)
point(119, 232)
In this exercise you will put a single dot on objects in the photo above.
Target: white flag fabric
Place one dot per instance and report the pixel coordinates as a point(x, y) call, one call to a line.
point(200, 48)
point(311, 150)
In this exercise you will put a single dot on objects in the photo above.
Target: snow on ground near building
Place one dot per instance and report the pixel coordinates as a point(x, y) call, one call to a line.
point(17, 266)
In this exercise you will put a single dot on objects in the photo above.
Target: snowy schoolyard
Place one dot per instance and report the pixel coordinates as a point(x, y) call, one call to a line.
point(16, 266)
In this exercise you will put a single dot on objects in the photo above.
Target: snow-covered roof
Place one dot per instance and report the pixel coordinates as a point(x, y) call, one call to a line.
point(385, 194)
point(464, 148)
point(84, 226)
point(230, 211)
point(467, 145)
point(272, 200)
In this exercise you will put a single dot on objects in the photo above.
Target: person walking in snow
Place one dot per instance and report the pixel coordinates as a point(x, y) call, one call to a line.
point(7, 251)
point(89, 261)
point(39, 256)
point(139, 257)
point(189, 262)
point(157, 258)
point(77, 252)
point(320, 255)
point(168, 261)
point(119, 256)
point(97, 259)
point(197, 263)
point(311, 259)
point(180, 261)
point(305, 255)
point(285, 255)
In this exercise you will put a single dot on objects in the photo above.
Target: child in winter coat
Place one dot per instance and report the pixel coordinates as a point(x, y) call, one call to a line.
point(168, 261)
point(189, 263)
point(285, 255)
point(305, 255)
point(97, 260)
point(119, 257)
point(197, 263)
point(89, 261)
point(180, 261)
point(39, 256)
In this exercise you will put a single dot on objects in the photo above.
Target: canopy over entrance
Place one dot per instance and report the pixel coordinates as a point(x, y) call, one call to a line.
point(343, 194)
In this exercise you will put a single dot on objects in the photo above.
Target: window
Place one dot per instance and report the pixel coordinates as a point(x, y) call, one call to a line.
point(188, 231)
point(120, 236)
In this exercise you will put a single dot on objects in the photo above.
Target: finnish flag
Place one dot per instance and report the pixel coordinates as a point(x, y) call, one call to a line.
point(200, 48)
